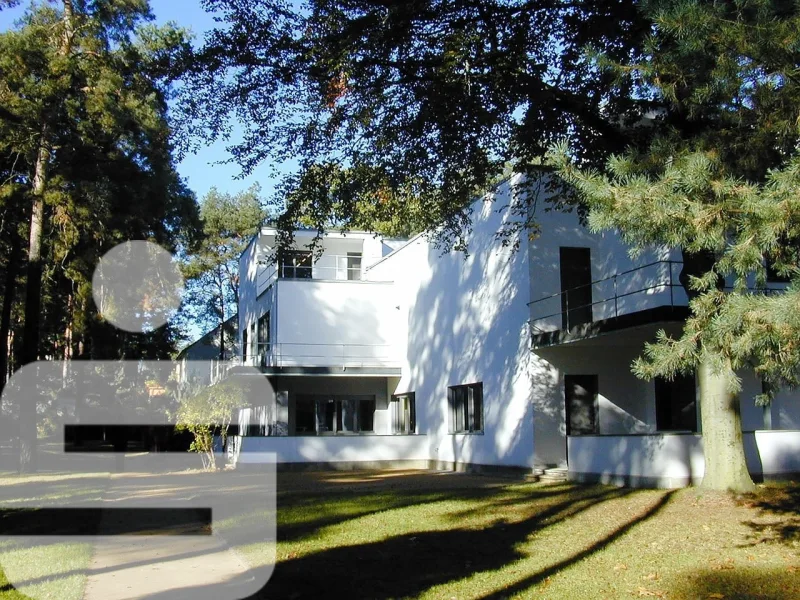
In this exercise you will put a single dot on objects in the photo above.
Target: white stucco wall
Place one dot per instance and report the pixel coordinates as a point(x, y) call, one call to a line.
point(673, 460)
point(331, 321)
point(609, 256)
point(466, 321)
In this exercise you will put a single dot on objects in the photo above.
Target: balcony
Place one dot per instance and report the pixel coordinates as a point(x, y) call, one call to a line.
point(335, 356)
point(647, 294)
point(328, 267)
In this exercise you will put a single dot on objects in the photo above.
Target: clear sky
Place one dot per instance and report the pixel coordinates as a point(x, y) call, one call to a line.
point(200, 170)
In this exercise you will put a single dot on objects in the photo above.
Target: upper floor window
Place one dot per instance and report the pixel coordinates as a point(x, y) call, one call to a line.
point(295, 264)
point(263, 336)
point(354, 266)
point(466, 408)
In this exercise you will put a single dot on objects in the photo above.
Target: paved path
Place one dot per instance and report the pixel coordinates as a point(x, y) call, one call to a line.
point(164, 567)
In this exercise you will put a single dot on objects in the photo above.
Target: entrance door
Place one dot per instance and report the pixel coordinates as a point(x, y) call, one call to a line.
point(576, 286)
point(580, 395)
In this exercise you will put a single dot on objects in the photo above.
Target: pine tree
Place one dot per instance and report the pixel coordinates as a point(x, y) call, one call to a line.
point(84, 118)
point(719, 180)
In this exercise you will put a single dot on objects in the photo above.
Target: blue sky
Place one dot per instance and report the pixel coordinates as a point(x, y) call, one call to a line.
point(201, 170)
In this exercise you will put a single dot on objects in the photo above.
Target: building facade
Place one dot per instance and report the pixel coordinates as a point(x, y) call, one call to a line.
point(513, 356)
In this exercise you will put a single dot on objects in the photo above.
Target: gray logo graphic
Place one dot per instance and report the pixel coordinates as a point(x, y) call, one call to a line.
point(165, 520)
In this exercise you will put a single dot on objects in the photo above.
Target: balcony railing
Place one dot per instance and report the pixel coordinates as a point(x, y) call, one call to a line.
point(324, 355)
point(330, 267)
point(648, 286)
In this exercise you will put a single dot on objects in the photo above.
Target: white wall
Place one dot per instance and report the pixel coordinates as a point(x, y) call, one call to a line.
point(672, 460)
point(335, 320)
point(466, 321)
point(333, 449)
point(609, 256)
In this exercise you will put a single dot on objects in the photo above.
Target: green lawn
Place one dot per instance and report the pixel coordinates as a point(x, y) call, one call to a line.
point(51, 570)
point(426, 535)
point(397, 535)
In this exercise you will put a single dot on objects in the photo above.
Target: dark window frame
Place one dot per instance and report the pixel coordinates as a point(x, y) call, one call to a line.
point(334, 422)
point(410, 424)
point(296, 264)
point(465, 405)
point(354, 266)
point(664, 394)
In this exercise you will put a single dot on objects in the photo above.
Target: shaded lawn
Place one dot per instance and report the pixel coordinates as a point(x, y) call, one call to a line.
point(51, 570)
point(425, 535)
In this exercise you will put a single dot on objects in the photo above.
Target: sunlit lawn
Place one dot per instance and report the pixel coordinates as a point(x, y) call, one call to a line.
point(396, 535)
point(406, 534)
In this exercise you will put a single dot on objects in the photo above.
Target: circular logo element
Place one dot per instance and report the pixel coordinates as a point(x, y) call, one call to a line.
point(137, 286)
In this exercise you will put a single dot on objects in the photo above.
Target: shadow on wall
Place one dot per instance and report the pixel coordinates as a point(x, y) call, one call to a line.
point(468, 323)
point(657, 460)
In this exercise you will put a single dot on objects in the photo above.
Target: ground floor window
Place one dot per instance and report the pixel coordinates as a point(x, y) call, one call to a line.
point(676, 404)
point(325, 415)
point(580, 399)
point(404, 413)
point(466, 408)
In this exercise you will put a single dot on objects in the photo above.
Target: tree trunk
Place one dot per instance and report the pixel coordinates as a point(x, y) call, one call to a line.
point(9, 295)
point(720, 415)
point(33, 286)
point(33, 298)
point(723, 446)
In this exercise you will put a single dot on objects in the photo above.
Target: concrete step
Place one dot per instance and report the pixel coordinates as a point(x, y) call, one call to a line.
point(554, 475)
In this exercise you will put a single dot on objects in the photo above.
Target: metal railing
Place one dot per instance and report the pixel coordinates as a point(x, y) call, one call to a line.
point(619, 286)
point(335, 267)
point(323, 355)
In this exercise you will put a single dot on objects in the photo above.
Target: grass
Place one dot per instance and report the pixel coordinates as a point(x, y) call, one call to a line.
point(405, 534)
point(49, 570)
point(398, 535)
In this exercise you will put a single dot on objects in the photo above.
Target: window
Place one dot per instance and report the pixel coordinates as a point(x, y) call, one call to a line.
point(676, 409)
point(466, 408)
point(263, 338)
point(244, 345)
point(354, 266)
point(305, 416)
point(576, 286)
point(404, 413)
point(295, 264)
point(580, 400)
point(334, 414)
point(772, 274)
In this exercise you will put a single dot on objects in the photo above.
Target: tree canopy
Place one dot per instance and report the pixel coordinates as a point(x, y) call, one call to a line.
point(212, 269)
point(399, 112)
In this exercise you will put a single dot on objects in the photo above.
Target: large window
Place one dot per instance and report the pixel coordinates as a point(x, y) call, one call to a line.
point(326, 415)
point(466, 408)
point(404, 413)
point(295, 264)
point(676, 407)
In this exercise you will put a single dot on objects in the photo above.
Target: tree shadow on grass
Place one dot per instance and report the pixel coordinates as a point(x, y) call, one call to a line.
point(778, 521)
point(409, 564)
point(302, 516)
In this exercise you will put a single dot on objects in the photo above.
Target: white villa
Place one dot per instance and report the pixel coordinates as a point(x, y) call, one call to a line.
point(385, 352)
